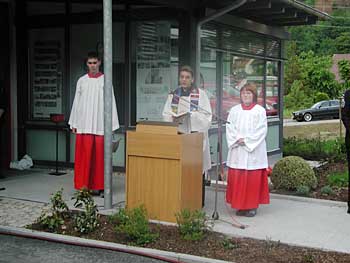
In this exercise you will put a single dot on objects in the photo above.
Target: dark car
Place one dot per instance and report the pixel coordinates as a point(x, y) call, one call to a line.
point(326, 109)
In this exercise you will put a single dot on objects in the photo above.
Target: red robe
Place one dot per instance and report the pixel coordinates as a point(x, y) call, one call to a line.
point(246, 189)
point(89, 162)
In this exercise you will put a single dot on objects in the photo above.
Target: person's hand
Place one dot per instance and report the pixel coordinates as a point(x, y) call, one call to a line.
point(74, 130)
point(240, 141)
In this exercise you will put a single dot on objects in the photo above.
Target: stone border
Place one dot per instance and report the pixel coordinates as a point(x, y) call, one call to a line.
point(106, 245)
point(324, 202)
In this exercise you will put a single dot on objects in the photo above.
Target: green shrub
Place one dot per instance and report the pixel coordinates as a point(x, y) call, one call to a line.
point(315, 149)
point(338, 179)
point(87, 220)
point(319, 96)
point(303, 190)
point(327, 190)
point(292, 172)
point(229, 244)
point(134, 224)
point(53, 219)
point(192, 225)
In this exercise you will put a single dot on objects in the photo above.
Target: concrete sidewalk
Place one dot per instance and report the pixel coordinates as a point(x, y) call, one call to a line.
point(293, 220)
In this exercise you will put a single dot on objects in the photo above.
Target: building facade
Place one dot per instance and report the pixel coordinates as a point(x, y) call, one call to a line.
point(48, 41)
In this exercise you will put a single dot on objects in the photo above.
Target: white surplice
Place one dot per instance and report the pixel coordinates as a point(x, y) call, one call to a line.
point(87, 110)
point(251, 125)
point(200, 120)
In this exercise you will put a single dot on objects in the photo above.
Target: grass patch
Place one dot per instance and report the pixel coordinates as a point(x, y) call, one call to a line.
point(322, 131)
point(338, 179)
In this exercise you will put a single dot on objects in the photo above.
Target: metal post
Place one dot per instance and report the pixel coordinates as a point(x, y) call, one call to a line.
point(340, 121)
point(107, 99)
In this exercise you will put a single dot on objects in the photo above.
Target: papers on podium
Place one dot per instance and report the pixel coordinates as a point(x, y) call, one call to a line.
point(183, 120)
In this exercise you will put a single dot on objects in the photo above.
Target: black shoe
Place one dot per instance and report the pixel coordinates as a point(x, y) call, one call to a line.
point(207, 182)
point(95, 192)
point(241, 212)
point(251, 213)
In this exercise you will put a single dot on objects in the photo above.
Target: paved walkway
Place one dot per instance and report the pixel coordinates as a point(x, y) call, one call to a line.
point(293, 220)
point(26, 250)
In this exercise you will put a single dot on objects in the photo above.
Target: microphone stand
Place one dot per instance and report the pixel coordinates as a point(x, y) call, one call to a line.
point(215, 214)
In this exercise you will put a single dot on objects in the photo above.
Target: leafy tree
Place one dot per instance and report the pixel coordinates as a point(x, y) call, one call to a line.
point(292, 67)
point(298, 97)
point(344, 71)
point(342, 43)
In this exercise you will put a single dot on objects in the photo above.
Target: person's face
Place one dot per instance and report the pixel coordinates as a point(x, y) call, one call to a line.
point(185, 79)
point(93, 65)
point(247, 97)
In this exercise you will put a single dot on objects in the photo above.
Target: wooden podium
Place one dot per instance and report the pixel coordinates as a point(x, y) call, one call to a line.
point(163, 170)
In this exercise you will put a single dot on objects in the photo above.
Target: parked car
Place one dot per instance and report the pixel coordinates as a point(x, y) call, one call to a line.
point(326, 109)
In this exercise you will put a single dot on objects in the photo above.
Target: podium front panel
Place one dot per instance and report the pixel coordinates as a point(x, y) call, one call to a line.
point(155, 184)
point(164, 173)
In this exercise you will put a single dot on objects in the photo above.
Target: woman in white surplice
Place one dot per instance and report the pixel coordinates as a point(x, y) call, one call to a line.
point(247, 183)
point(188, 98)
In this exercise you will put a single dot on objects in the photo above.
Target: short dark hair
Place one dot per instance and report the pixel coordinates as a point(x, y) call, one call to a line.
point(187, 69)
point(93, 54)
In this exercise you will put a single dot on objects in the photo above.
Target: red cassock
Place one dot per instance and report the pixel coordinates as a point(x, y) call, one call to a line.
point(246, 189)
point(89, 162)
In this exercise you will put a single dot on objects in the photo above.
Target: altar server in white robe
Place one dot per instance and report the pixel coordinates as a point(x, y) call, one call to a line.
point(86, 121)
point(247, 182)
point(188, 98)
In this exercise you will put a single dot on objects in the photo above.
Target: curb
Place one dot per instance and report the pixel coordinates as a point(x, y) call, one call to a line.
point(324, 202)
point(105, 245)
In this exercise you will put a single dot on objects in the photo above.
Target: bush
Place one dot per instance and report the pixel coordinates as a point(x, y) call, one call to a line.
point(54, 218)
point(87, 220)
point(303, 190)
point(319, 96)
point(327, 190)
point(134, 224)
point(315, 149)
point(192, 225)
point(292, 172)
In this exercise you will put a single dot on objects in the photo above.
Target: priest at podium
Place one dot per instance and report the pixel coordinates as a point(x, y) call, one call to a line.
point(188, 98)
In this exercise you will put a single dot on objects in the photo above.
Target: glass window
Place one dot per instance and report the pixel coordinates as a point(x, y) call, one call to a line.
point(335, 103)
point(45, 8)
point(89, 37)
point(155, 67)
point(46, 66)
point(324, 104)
point(272, 84)
point(237, 71)
point(86, 7)
point(208, 77)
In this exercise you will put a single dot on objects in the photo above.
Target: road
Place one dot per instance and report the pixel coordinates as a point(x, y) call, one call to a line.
point(290, 122)
point(26, 250)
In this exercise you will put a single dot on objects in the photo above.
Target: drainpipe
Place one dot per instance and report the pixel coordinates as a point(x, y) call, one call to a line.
point(201, 21)
point(107, 99)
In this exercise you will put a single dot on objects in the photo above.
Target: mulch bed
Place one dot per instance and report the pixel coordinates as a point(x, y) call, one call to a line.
point(322, 172)
point(214, 245)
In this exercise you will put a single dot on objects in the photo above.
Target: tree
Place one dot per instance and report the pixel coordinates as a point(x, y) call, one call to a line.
point(342, 43)
point(344, 71)
point(292, 67)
